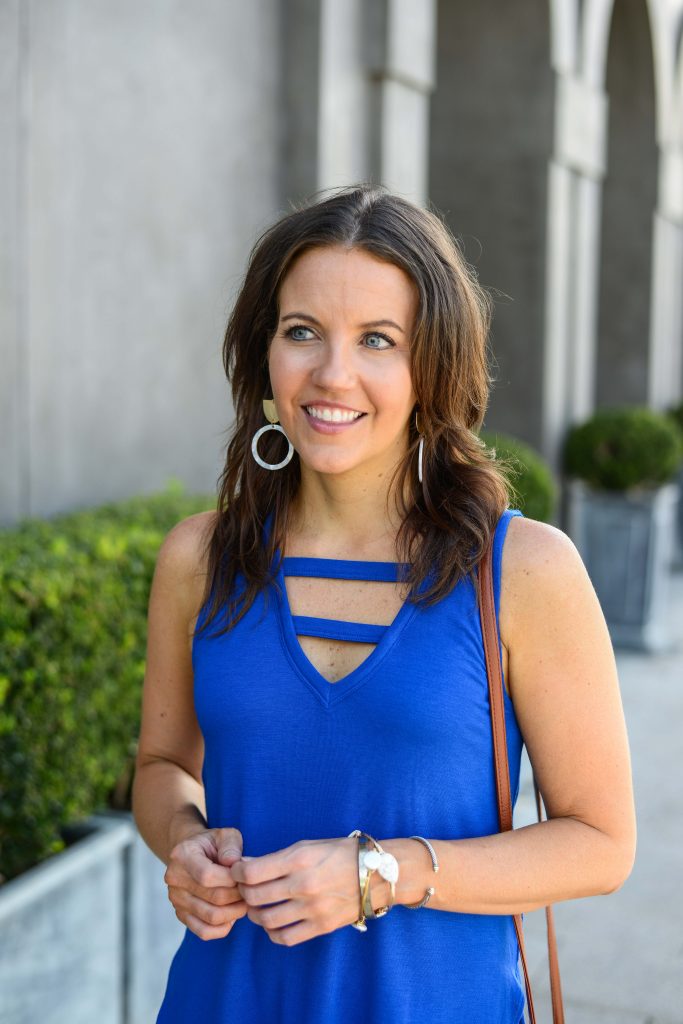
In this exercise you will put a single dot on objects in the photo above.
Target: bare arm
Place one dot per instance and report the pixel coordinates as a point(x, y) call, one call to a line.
point(168, 795)
point(169, 803)
point(563, 680)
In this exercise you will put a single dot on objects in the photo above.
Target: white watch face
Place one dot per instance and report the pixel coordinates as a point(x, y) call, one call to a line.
point(372, 860)
point(388, 867)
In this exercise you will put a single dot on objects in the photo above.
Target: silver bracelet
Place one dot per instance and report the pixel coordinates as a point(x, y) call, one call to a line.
point(435, 867)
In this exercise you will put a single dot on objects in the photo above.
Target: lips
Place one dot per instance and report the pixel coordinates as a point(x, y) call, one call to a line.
point(327, 419)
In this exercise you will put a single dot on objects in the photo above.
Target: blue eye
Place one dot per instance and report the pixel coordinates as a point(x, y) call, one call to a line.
point(382, 338)
point(290, 332)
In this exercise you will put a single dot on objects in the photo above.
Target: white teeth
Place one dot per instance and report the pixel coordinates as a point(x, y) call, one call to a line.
point(332, 415)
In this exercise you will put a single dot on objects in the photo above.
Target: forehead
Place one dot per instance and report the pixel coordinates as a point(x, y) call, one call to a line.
point(337, 280)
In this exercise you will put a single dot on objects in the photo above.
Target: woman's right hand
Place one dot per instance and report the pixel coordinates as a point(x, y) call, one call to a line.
point(200, 885)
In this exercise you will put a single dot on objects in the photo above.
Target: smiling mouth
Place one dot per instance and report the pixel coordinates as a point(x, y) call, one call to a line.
point(327, 415)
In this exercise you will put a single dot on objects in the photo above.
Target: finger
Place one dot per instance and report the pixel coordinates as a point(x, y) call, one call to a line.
point(295, 933)
point(268, 892)
point(229, 845)
point(218, 896)
point(205, 872)
point(203, 930)
point(209, 913)
point(221, 895)
point(270, 866)
point(279, 915)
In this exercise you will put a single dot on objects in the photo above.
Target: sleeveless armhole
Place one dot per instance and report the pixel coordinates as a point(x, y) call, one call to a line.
point(498, 542)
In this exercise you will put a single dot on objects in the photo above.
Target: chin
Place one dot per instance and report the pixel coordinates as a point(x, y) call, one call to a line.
point(331, 467)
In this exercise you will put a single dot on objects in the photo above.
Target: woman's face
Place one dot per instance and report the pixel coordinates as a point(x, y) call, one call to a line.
point(340, 360)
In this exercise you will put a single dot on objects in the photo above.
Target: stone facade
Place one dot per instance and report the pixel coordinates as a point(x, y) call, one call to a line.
point(148, 147)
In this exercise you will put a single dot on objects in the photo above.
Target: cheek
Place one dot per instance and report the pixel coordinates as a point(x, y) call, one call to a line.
point(395, 391)
point(282, 372)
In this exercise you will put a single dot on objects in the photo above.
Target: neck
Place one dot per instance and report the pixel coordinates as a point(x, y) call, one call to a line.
point(334, 516)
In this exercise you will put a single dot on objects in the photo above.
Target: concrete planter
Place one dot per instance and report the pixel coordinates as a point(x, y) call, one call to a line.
point(679, 552)
point(627, 542)
point(153, 932)
point(89, 934)
point(61, 933)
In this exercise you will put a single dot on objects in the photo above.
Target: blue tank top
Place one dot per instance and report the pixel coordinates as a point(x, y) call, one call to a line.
point(282, 763)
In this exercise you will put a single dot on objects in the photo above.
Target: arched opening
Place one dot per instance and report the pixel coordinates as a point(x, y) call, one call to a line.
point(490, 141)
point(629, 200)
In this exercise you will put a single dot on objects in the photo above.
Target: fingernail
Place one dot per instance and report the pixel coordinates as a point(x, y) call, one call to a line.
point(231, 852)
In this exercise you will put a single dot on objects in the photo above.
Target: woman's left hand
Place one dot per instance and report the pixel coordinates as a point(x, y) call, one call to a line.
point(312, 884)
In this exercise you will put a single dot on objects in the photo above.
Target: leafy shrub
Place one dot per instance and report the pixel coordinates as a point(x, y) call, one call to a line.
point(676, 412)
point(623, 448)
point(73, 610)
point(530, 476)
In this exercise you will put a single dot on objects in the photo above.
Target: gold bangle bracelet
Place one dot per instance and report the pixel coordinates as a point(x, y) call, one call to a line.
point(368, 863)
point(360, 924)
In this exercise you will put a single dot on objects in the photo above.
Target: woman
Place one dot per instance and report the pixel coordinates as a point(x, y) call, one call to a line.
point(315, 664)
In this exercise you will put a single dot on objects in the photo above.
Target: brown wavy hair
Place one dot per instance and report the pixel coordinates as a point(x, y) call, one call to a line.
point(447, 523)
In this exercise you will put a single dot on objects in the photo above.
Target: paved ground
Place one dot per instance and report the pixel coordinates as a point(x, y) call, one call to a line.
point(621, 955)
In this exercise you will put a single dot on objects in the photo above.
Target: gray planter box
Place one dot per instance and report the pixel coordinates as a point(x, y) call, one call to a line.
point(153, 932)
point(61, 933)
point(627, 541)
point(89, 934)
point(679, 551)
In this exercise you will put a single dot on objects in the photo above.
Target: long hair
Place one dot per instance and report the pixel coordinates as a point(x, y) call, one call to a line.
point(448, 521)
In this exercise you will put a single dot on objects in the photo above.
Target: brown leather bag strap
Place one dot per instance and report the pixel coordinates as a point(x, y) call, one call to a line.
point(553, 960)
point(494, 672)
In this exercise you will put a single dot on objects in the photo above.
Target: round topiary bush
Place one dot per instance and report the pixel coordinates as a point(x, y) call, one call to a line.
point(623, 448)
point(676, 412)
point(530, 477)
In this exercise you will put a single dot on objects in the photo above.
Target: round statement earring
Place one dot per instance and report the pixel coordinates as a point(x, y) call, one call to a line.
point(271, 415)
point(420, 448)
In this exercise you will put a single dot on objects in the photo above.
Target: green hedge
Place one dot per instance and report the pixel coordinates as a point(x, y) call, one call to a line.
point(73, 622)
point(530, 475)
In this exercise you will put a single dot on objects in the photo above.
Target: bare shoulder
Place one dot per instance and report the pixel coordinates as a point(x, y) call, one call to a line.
point(543, 575)
point(564, 684)
point(185, 542)
point(530, 543)
point(169, 728)
point(182, 558)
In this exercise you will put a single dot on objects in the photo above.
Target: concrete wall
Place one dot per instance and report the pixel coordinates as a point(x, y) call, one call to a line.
point(629, 200)
point(491, 136)
point(12, 369)
point(140, 157)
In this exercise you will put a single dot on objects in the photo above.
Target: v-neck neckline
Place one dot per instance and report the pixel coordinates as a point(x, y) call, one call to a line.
point(331, 693)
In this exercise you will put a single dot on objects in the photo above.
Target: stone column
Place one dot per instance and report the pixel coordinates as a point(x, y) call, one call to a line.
point(357, 79)
point(576, 172)
point(343, 114)
point(665, 366)
point(401, 53)
point(300, 108)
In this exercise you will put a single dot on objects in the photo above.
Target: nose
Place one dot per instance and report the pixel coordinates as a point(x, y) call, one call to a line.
point(334, 370)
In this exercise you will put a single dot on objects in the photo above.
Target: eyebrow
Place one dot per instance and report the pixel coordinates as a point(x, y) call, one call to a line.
point(372, 323)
